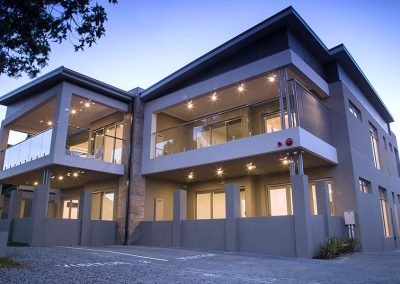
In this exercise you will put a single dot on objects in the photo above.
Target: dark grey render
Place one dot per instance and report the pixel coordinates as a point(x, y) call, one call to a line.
point(261, 145)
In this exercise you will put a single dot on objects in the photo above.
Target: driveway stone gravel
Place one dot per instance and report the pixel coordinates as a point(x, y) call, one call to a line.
point(120, 264)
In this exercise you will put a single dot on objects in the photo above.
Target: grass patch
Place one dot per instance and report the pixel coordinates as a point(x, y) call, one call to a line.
point(6, 262)
point(16, 244)
point(335, 247)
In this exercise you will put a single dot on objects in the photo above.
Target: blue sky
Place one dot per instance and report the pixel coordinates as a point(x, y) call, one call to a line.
point(147, 40)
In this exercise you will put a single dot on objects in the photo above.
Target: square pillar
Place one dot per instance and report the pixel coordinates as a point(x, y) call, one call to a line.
point(232, 205)
point(323, 204)
point(302, 216)
point(40, 205)
point(180, 214)
point(85, 216)
point(14, 208)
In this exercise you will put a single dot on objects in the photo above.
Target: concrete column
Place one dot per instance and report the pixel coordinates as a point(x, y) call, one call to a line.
point(232, 199)
point(323, 204)
point(302, 216)
point(39, 214)
point(61, 119)
point(57, 202)
point(180, 214)
point(14, 207)
point(85, 216)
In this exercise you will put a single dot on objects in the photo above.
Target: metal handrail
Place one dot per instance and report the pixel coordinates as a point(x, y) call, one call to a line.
point(93, 131)
point(216, 114)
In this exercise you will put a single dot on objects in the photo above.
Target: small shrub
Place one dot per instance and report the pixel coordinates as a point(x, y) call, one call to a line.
point(335, 247)
point(6, 262)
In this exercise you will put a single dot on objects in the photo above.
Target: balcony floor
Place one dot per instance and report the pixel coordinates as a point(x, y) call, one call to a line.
point(84, 177)
point(269, 163)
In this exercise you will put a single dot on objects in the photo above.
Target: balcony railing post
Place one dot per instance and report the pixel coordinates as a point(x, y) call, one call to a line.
point(281, 105)
point(288, 106)
point(296, 101)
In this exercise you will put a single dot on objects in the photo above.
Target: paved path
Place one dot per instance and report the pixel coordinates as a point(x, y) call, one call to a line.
point(118, 264)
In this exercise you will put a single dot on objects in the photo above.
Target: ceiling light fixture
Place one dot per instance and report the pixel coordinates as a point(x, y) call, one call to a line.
point(75, 174)
point(214, 97)
point(87, 104)
point(241, 88)
point(190, 176)
point(271, 78)
point(49, 123)
point(73, 111)
point(251, 167)
point(189, 105)
point(285, 161)
point(35, 183)
point(220, 172)
point(60, 178)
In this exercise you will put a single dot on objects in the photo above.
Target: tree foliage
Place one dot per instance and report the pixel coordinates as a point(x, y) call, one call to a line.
point(28, 27)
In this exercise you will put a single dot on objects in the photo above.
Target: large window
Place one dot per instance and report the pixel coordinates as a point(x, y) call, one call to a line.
point(313, 198)
point(103, 205)
point(279, 200)
point(385, 212)
point(396, 156)
point(365, 186)
point(211, 204)
point(396, 213)
point(70, 208)
point(387, 155)
point(373, 133)
point(217, 133)
point(104, 143)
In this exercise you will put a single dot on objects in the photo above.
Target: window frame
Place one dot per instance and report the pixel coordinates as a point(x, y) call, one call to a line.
point(363, 183)
point(102, 193)
point(374, 139)
point(355, 111)
point(385, 213)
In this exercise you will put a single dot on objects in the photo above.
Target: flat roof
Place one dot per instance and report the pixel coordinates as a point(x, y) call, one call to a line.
point(59, 75)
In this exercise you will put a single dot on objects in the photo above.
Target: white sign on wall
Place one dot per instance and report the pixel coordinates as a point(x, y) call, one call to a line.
point(349, 218)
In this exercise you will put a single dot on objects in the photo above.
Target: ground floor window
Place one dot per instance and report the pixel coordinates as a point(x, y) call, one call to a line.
point(279, 200)
point(211, 204)
point(313, 198)
point(103, 205)
point(385, 212)
point(396, 214)
point(70, 208)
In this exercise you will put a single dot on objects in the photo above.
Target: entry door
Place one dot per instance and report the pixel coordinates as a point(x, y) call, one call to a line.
point(159, 209)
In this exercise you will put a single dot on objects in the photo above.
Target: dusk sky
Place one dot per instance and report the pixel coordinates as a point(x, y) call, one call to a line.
point(147, 40)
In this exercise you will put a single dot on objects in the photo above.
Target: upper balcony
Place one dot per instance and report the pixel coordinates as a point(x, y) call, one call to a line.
point(231, 122)
point(86, 132)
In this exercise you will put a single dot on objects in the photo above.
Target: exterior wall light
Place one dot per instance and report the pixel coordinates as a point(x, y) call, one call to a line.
point(289, 142)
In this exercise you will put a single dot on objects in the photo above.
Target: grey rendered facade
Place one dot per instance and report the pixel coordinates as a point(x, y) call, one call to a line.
point(260, 145)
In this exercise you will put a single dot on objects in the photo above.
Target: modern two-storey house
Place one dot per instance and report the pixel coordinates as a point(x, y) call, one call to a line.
point(261, 145)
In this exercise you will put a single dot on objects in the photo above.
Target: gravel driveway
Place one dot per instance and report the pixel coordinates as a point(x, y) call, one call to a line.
point(119, 264)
